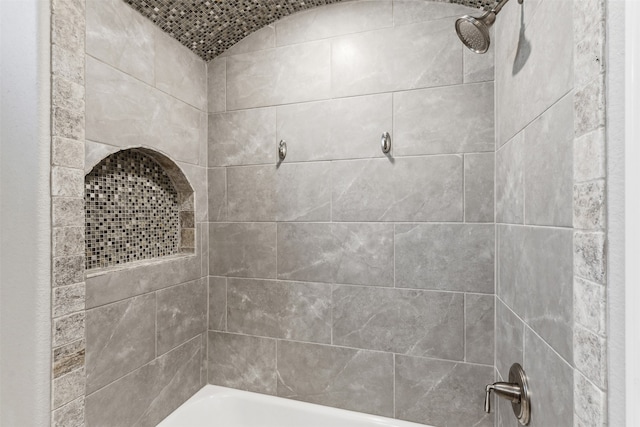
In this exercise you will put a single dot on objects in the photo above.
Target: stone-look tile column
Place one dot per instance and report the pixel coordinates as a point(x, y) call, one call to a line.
point(589, 222)
point(67, 193)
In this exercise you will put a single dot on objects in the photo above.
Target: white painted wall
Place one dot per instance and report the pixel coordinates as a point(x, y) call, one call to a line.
point(24, 213)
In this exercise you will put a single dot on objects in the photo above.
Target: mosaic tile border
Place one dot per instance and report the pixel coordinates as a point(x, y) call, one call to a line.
point(210, 27)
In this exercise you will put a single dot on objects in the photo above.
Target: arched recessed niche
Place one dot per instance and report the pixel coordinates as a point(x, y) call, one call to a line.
point(138, 206)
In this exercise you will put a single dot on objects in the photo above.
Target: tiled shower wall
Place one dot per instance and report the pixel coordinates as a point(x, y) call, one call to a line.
point(342, 276)
point(143, 325)
point(550, 305)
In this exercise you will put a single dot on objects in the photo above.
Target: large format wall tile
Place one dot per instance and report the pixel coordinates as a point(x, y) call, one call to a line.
point(510, 181)
point(360, 254)
point(534, 62)
point(549, 166)
point(334, 20)
point(452, 119)
point(288, 310)
point(181, 314)
point(242, 137)
point(251, 193)
point(217, 303)
point(120, 36)
point(120, 338)
point(535, 279)
point(509, 339)
point(457, 257)
point(384, 61)
point(417, 323)
point(479, 330)
point(411, 11)
point(123, 111)
point(344, 128)
point(146, 396)
point(243, 250)
point(441, 393)
point(180, 72)
point(279, 76)
point(407, 189)
point(358, 380)
point(552, 378)
point(242, 362)
point(479, 187)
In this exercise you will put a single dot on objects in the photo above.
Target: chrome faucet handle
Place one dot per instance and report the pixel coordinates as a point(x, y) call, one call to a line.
point(516, 391)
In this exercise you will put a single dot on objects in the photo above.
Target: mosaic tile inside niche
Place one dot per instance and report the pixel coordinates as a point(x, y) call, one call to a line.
point(132, 211)
point(209, 27)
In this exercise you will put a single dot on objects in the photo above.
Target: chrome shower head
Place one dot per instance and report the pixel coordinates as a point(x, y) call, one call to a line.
point(474, 32)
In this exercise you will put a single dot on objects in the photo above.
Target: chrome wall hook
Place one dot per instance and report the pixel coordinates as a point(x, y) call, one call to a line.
point(282, 150)
point(385, 143)
point(516, 391)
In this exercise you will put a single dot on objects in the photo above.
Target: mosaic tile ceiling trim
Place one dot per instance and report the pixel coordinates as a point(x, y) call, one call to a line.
point(209, 27)
point(132, 211)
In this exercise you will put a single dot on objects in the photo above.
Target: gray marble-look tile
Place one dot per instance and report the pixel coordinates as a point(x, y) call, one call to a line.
point(242, 362)
point(549, 166)
point(535, 279)
point(590, 355)
point(67, 329)
point(120, 339)
point(479, 187)
point(589, 261)
point(589, 305)
point(264, 38)
point(147, 395)
point(67, 299)
point(412, 11)
point(67, 153)
point(180, 72)
point(283, 75)
point(509, 339)
point(359, 254)
point(479, 335)
point(589, 156)
point(124, 112)
point(532, 40)
point(456, 257)
point(68, 270)
point(287, 310)
point(95, 152)
point(242, 137)
point(218, 303)
point(181, 314)
point(217, 189)
point(357, 380)
point(121, 37)
point(589, 107)
point(479, 68)
point(589, 206)
point(417, 323)
point(590, 402)
point(442, 393)
point(344, 128)
point(251, 193)
point(383, 61)
point(552, 378)
point(452, 119)
point(203, 232)
point(111, 286)
point(68, 387)
point(197, 177)
point(303, 192)
point(334, 20)
point(510, 181)
point(243, 250)
point(217, 85)
point(70, 415)
point(406, 189)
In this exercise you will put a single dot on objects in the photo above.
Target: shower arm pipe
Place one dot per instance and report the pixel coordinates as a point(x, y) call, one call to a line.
point(500, 5)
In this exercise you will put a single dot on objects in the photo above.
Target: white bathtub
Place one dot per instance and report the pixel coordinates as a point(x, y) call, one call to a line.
point(215, 406)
